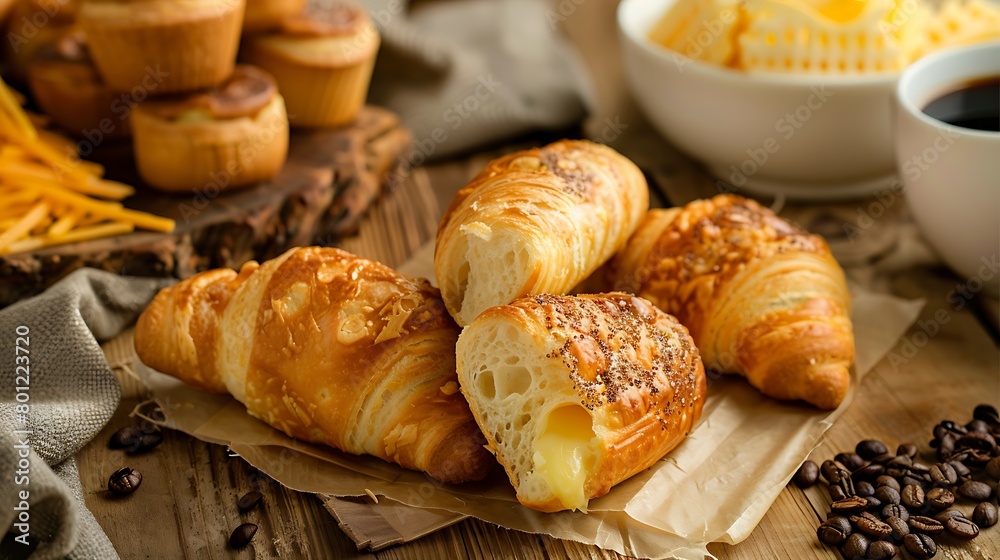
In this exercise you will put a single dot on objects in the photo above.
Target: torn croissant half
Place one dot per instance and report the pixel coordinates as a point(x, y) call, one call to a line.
point(329, 348)
point(578, 393)
point(536, 222)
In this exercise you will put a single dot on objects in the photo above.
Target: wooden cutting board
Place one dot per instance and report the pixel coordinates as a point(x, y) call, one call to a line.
point(330, 179)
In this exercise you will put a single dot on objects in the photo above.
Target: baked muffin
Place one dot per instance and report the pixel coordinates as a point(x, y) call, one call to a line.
point(163, 46)
point(228, 137)
point(23, 35)
point(323, 62)
point(67, 87)
point(267, 15)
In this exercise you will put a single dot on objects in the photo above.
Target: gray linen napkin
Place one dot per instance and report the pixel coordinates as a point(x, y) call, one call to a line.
point(72, 393)
point(465, 74)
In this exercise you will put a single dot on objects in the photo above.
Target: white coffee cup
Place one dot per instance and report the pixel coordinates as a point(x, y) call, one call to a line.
point(952, 174)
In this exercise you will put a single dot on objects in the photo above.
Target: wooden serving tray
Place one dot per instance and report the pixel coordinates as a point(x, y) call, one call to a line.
point(330, 179)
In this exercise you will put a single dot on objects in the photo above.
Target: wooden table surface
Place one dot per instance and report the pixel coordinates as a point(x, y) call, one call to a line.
point(185, 507)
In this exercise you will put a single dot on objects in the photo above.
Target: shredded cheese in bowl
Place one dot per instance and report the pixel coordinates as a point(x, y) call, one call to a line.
point(822, 36)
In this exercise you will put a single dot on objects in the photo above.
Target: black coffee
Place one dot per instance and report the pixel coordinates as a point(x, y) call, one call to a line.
point(974, 104)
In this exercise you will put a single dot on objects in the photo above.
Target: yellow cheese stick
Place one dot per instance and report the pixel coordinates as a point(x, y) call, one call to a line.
point(74, 236)
point(24, 225)
point(27, 173)
point(65, 223)
point(109, 210)
point(13, 111)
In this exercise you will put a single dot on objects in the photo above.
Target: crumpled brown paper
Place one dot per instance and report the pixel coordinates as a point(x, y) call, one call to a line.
point(715, 487)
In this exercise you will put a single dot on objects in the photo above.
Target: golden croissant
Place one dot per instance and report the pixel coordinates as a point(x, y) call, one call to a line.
point(577, 393)
point(760, 296)
point(537, 221)
point(326, 347)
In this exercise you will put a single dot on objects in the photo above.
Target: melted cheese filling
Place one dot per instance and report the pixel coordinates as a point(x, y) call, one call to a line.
point(564, 455)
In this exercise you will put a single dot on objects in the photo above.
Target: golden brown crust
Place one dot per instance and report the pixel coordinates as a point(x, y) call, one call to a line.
point(341, 351)
point(633, 367)
point(760, 296)
point(552, 215)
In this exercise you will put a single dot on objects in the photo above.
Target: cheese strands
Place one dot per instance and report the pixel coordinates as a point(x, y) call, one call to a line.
point(50, 196)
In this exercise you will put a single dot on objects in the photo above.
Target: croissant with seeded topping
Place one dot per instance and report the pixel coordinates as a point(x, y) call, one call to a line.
point(578, 393)
point(761, 297)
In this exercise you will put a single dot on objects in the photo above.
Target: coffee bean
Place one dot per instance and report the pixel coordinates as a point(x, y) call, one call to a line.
point(870, 471)
point(864, 489)
point(870, 448)
point(993, 468)
point(975, 490)
point(978, 426)
point(953, 427)
point(851, 461)
point(895, 510)
point(849, 505)
point(837, 493)
point(939, 432)
point(919, 468)
point(874, 503)
point(926, 525)
point(948, 514)
point(946, 445)
point(884, 458)
point(882, 550)
point(242, 535)
point(124, 437)
point(919, 546)
point(911, 481)
point(985, 515)
point(987, 414)
point(249, 501)
point(845, 483)
point(904, 461)
point(960, 469)
point(829, 470)
point(887, 495)
point(871, 525)
point(940, 498)
point(943, 474)
point(912, 496)
point(134, 439)
point(981, 441)
point(855, 547)
point(886, 480)
point(898, 466)
point(834, 531)
point(962, 528)
point(899, 528)
point(807, 475)
point(146, 441)
point(124, 481)
point(908, 449)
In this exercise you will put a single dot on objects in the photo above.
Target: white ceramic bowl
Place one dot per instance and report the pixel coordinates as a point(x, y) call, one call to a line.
point(804, 136)
point(952, 174)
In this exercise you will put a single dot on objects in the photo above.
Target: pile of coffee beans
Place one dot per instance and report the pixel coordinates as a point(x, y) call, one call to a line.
point(885, 502)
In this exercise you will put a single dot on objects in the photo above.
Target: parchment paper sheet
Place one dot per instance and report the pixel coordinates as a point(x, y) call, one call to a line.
point(715, 487)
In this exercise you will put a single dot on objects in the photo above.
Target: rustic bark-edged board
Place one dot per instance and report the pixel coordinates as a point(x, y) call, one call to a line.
point(330, 179)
